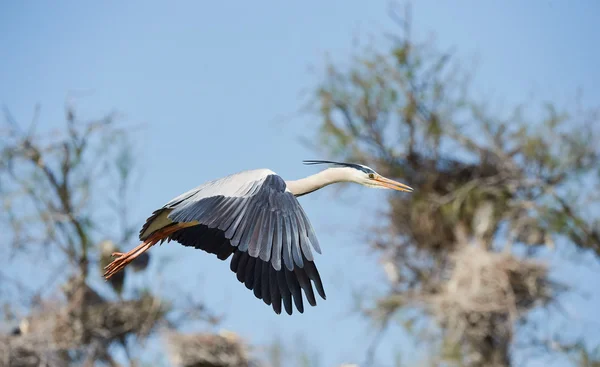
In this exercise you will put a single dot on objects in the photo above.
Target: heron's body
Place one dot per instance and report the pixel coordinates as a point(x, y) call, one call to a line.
point(254, 218)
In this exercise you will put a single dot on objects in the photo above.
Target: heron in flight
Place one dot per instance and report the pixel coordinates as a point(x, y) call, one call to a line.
point(254, 215)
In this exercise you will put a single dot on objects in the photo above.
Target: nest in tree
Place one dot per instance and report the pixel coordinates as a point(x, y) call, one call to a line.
point(448, 194)
point(207, 350)
point(46, 337)
point(424, 223)
point(486, 292)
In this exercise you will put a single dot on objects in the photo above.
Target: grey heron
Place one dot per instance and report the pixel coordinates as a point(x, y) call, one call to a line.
point(254, 215)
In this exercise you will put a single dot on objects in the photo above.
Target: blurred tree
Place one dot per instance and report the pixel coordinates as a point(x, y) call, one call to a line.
point(484, 185)
point(64, 195)
point(292, 352)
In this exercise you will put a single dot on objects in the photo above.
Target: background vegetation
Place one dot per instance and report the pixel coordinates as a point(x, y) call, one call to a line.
point(465, 255)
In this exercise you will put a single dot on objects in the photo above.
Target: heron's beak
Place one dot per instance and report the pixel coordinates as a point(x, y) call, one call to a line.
point(391, 184)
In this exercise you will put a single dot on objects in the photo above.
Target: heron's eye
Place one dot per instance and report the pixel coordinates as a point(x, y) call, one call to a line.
point(371, 176)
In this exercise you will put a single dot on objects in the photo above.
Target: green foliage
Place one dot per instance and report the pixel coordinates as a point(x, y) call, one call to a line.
point(65, 195)
point(479, 177)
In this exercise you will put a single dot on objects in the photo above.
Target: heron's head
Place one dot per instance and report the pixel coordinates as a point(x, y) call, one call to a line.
point(365, 176)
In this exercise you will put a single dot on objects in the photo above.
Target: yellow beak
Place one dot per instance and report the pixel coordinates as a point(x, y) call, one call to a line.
point(391, 184)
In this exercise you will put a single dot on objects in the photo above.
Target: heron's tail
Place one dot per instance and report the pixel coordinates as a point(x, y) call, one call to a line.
point(123, 259)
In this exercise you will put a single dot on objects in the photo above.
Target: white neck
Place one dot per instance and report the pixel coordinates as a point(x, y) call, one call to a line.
point(314, 182)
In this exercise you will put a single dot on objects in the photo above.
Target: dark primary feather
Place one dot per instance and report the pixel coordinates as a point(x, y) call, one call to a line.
point(268, 284)
point(265, 229)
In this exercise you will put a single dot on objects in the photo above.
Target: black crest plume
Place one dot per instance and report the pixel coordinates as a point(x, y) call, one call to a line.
point(341, 164)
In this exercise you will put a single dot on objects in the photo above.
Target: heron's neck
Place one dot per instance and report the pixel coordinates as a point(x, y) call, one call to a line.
point(314, 182)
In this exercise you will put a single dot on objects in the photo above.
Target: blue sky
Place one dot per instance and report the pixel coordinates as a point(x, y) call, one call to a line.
point(218, 86)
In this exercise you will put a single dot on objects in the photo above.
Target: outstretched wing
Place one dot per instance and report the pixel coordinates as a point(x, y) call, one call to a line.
point(253, 216)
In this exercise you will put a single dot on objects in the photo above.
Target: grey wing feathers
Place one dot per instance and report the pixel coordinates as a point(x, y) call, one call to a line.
point(262, 210)
point(265, 228)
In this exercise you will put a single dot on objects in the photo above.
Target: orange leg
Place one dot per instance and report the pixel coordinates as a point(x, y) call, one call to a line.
point(123, 259)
